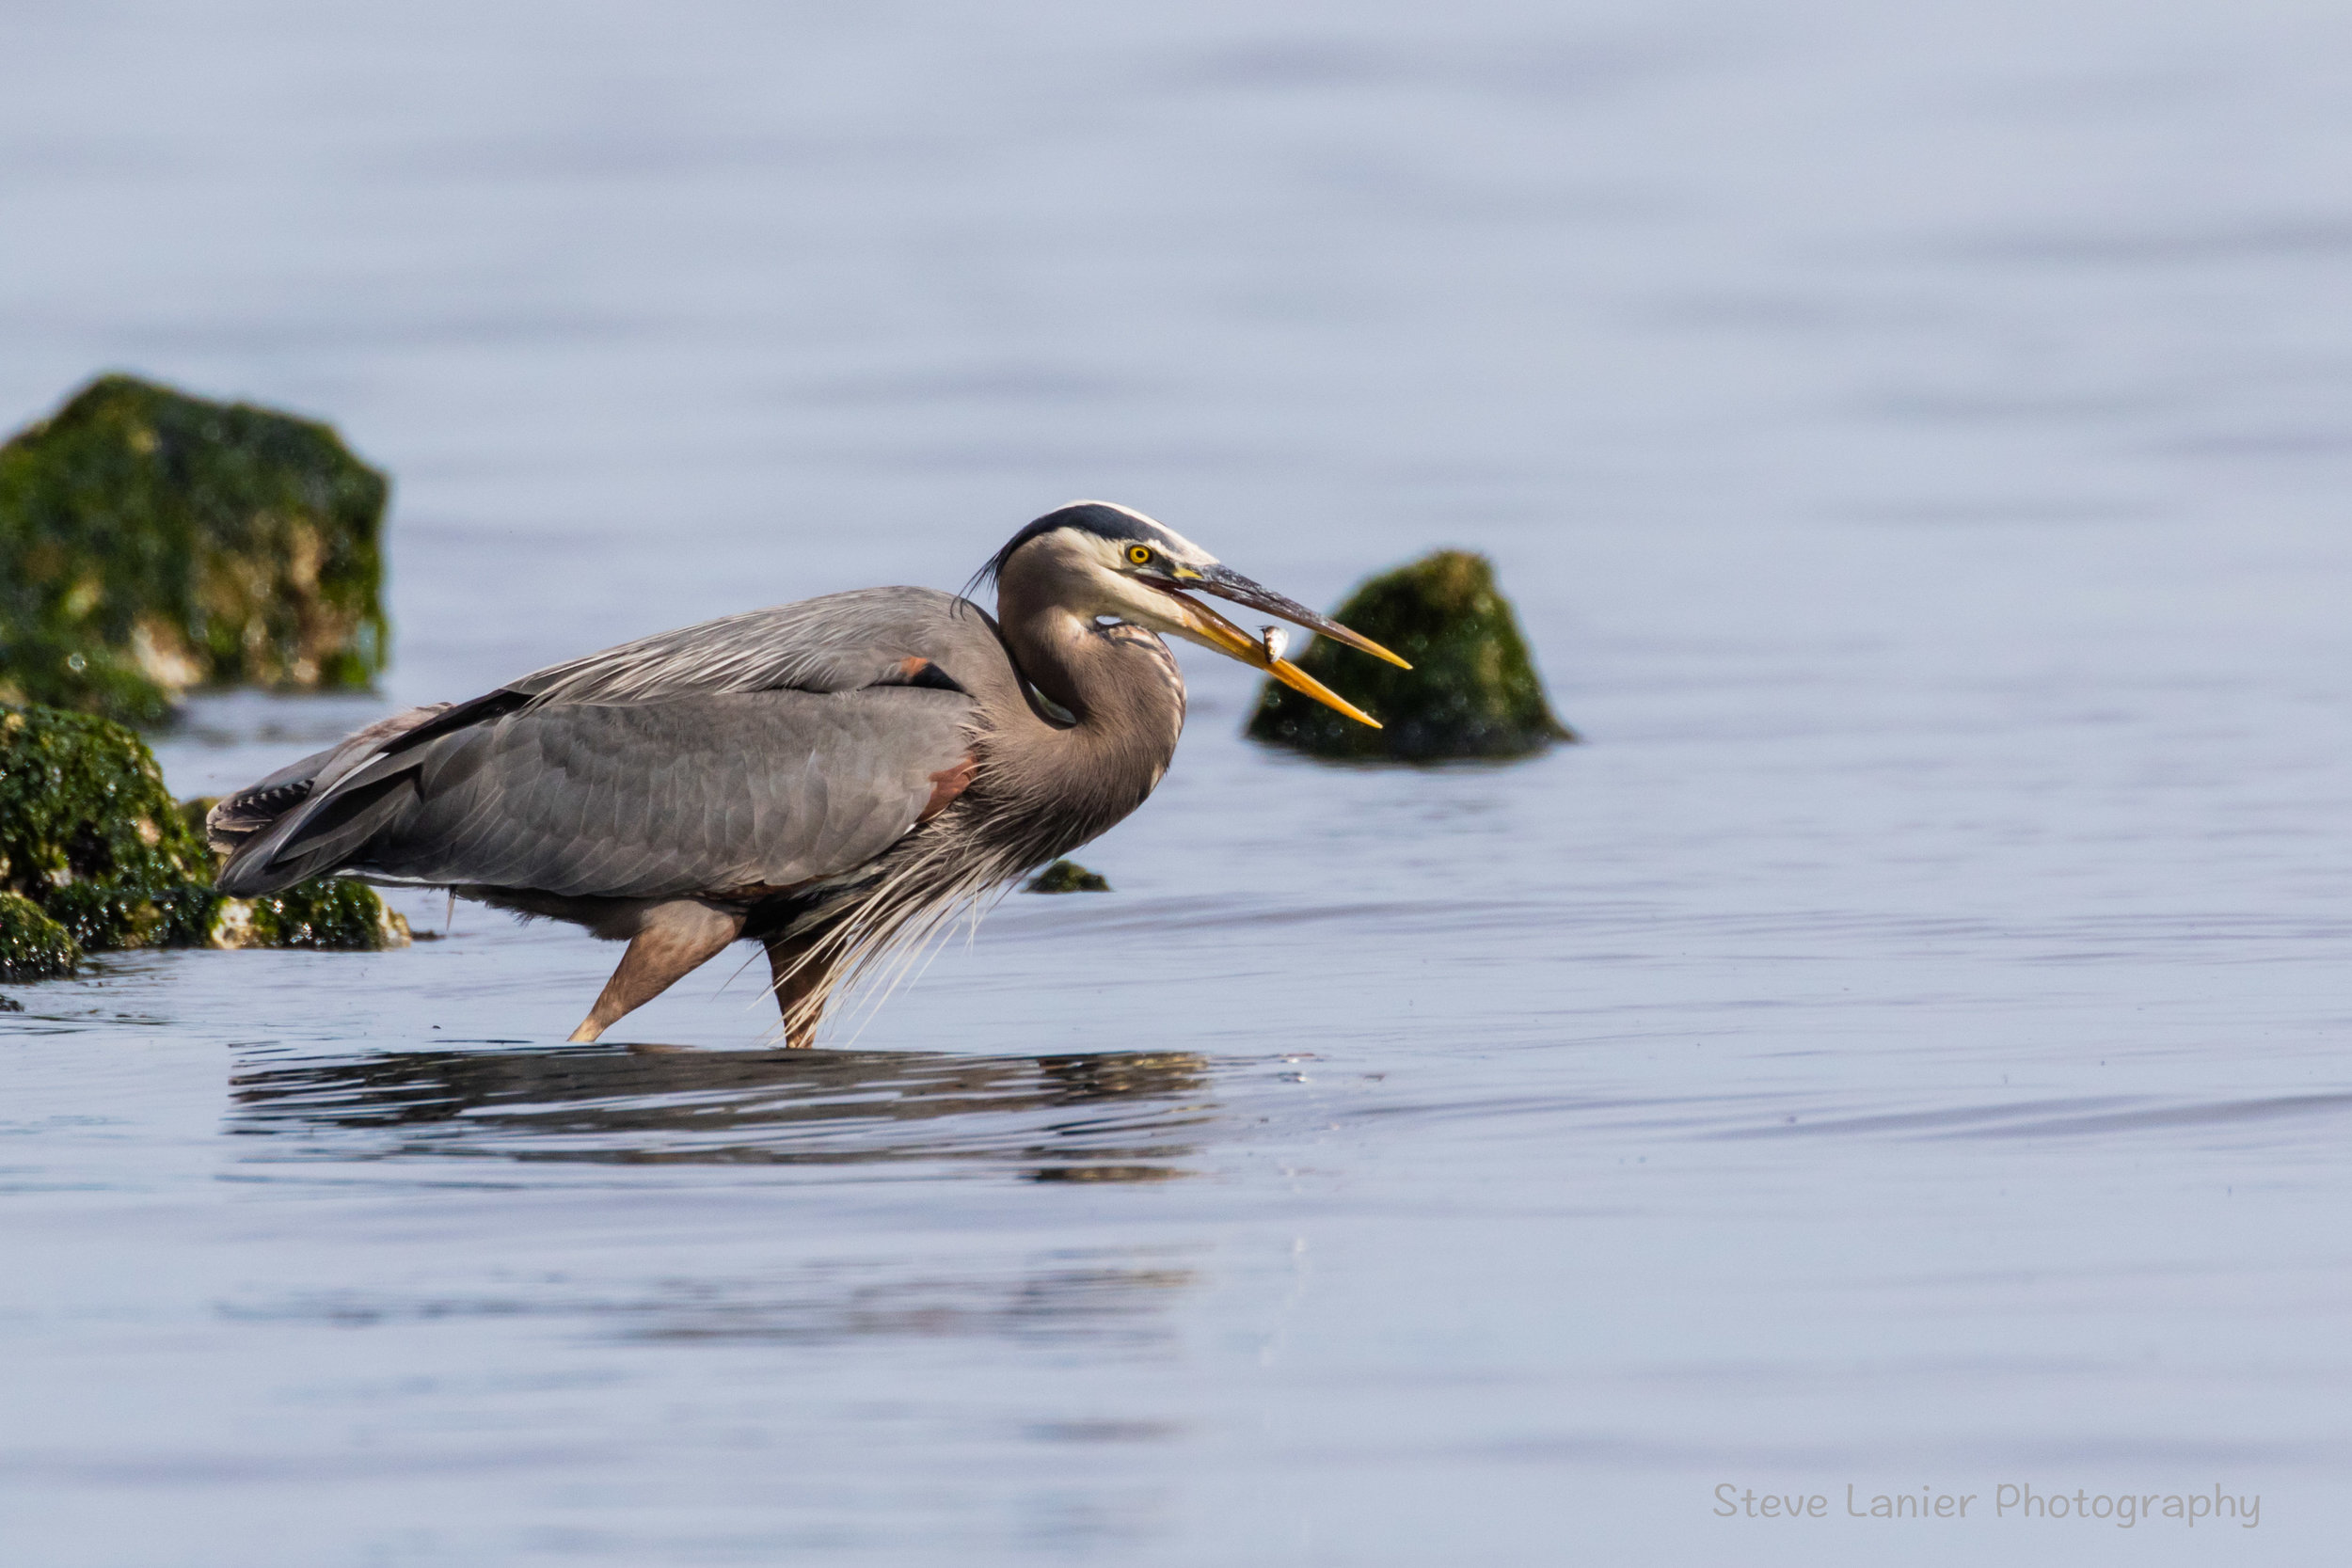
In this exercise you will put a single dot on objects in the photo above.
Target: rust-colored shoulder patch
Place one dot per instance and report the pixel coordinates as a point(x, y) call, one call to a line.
point(917, 671)
point(946, 785)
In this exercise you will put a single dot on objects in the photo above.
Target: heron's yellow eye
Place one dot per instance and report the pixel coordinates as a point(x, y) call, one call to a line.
point(1140, 554)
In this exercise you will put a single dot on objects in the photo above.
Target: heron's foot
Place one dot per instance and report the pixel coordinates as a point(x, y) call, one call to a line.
point(673, 939)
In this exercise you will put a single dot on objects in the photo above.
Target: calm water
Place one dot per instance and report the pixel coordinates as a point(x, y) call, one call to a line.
point(1906, 1048)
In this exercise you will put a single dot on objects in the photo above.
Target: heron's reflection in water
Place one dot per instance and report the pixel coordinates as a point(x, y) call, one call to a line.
point(1109, 1116)
point(1123, 1116)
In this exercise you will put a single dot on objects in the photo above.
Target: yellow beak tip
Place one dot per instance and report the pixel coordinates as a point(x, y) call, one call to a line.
point(1299, 680)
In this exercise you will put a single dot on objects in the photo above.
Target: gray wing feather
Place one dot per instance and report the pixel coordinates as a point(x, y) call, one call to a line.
point(255, 809)
point(772, 747)
point(839, 642)
point(645, 800)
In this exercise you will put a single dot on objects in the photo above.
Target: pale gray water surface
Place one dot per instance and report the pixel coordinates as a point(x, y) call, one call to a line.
point(1906, 1048)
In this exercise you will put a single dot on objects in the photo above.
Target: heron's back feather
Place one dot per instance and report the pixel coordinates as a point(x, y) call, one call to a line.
point(765, 749)
point(838, 642)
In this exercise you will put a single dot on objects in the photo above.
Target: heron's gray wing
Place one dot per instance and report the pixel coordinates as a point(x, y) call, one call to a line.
point(839, 642)
point(708, 794)
point(315, 816)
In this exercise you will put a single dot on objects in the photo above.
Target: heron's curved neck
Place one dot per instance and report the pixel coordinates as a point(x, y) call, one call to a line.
point(1122, 686)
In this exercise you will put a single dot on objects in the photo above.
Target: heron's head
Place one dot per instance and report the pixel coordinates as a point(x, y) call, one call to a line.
point(1100, 560)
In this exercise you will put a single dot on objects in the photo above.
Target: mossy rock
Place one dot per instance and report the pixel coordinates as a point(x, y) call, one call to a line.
point(83, 804)
point(1066, 877)
point(1472, 690)
point(96, 856)
point(195, 809)
point(323, 915)
point(152, 541)
point(32, 945)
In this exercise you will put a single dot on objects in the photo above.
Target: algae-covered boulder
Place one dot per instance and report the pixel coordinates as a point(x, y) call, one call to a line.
point(1066, 877)
point(32, 945)
point(89, 834)
point(1472, 690)
point(320, 914)
point(95, 856)
point(152, 542)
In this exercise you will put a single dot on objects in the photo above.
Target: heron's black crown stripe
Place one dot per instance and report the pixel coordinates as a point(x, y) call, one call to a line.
point(1103, 522)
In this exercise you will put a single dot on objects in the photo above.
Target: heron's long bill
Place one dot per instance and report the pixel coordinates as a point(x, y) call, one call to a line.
point(1214, 630)
point(1226, 583)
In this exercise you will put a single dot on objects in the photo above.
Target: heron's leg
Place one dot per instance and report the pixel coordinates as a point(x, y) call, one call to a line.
point(672, 940)
point(795, 985)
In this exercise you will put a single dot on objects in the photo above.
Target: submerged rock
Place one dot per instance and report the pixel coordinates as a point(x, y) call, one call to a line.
point(152, 542)
point(1066, 877)
point(1472, 690)
point(95, 856)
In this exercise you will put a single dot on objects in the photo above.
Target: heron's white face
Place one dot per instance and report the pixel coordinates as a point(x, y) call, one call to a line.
point(1130, 580)
point(1129, 567)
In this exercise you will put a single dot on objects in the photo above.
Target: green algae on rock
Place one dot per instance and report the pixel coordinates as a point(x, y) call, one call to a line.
point(1472, 690)
point(195, 809)
point(324, 916)
point(1066, 877)
point(82, 806)
point(96, 856)
point(152, 542)
point(32, 945)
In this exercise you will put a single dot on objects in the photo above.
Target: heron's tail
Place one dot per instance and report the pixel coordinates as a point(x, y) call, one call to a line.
point(251, 826)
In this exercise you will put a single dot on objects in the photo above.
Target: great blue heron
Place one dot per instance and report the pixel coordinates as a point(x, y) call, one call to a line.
point(833, 779)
